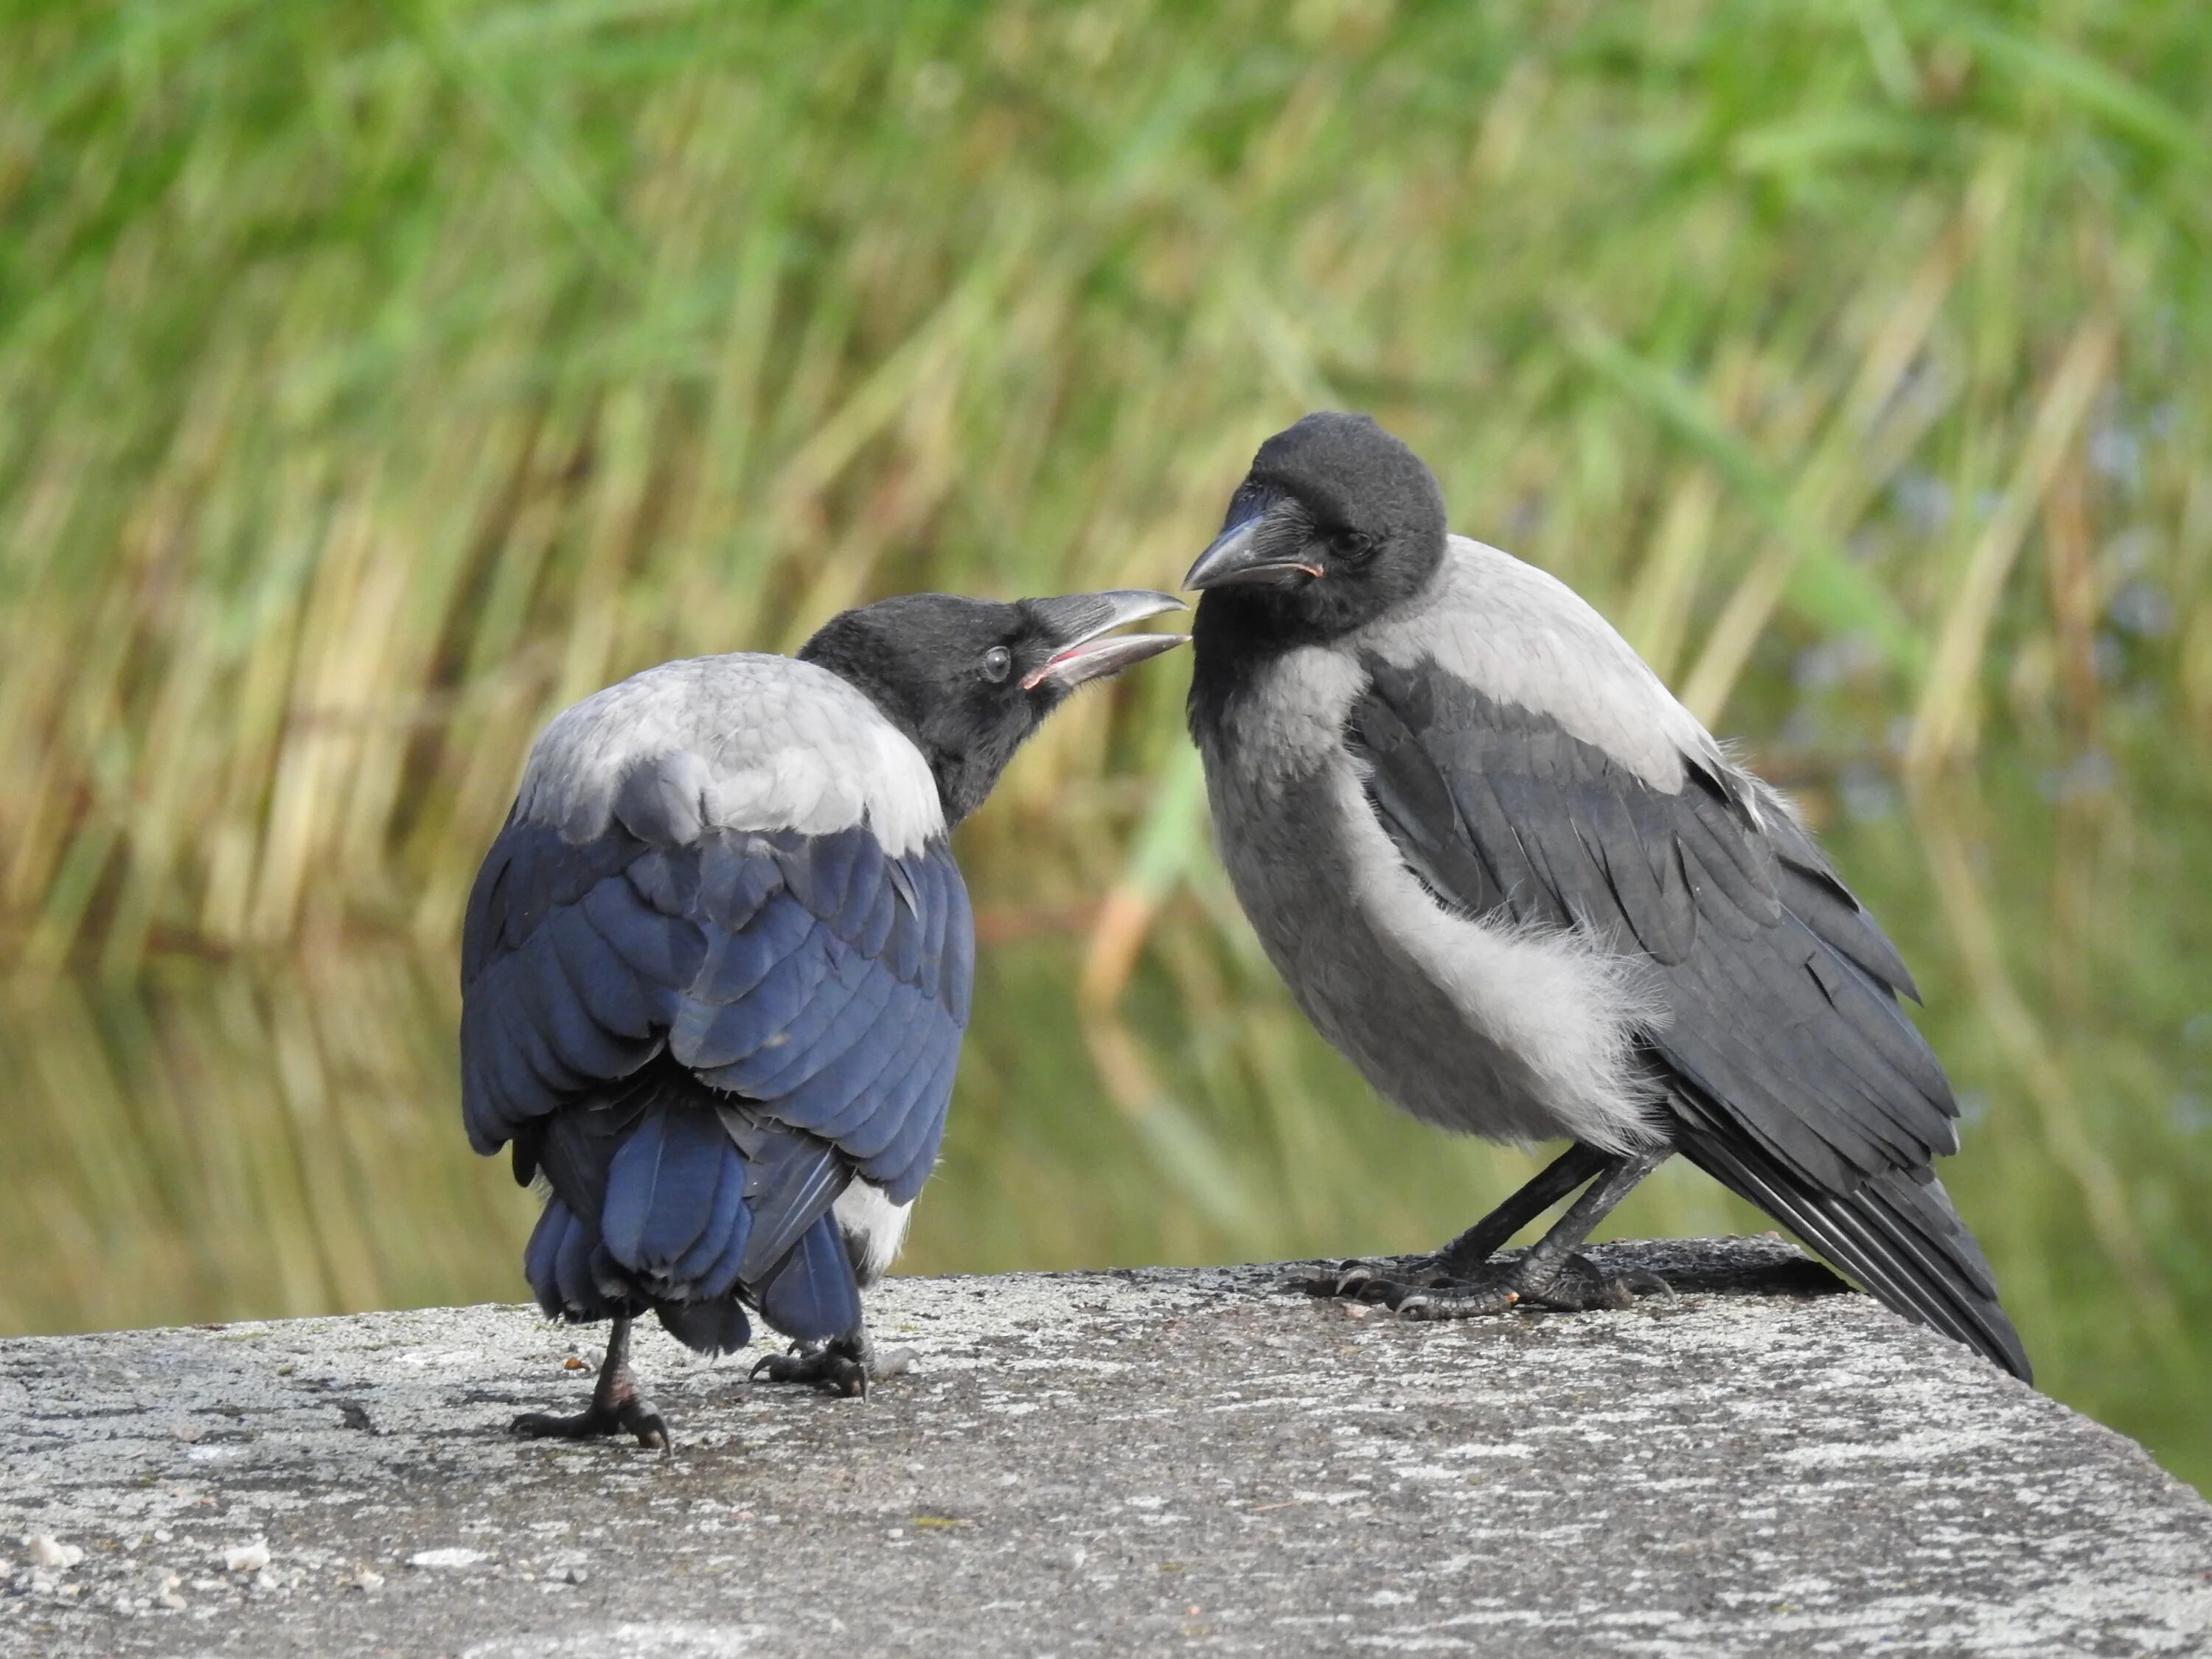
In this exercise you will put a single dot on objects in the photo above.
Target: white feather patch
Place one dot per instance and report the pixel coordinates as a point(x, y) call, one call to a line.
point(1566, 1006)
point(737, 742)
point(874, 1229)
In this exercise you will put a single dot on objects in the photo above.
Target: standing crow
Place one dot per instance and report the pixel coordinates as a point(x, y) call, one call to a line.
point(1522, 889)
point(716, 970)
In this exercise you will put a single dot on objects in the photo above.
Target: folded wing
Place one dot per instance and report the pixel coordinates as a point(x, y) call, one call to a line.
point(700, 1045)
point(1798, 1079)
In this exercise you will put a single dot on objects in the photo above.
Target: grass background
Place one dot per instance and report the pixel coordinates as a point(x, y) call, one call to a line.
point(376, 378)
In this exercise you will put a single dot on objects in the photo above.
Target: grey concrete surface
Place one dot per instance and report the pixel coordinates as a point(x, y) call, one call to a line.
point(1141, 1463)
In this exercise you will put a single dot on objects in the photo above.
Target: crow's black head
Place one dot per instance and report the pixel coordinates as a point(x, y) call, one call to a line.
point(1336, 522)
point(967, 680)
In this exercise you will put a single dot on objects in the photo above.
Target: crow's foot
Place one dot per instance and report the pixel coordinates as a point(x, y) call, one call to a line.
point(1353, 1281)
point(618, 1406)
point(1572, 1285)
point(842, 1365)
point(1464, 1281)
point(632, 1416)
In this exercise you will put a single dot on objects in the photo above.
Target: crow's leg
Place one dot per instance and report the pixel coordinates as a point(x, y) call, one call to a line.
point(1460, 1260)
point(617, 1404)
point(1552, 1272)
point(1577, 1164)
point(844, 1364)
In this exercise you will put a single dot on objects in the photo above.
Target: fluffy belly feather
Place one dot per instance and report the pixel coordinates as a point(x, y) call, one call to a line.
point(1475, 1025)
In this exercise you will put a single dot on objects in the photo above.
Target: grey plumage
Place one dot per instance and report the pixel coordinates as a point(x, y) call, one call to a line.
point(1500, 1028)
point(744, 741)
point(1519, 885)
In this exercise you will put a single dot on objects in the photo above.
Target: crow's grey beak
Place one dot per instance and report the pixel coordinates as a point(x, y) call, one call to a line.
point(1080, 621)
point(1251, 552)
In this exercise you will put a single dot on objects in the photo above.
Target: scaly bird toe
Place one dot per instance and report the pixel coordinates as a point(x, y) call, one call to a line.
point(633, 1416)
point(618, 1405)
point(843, 1366)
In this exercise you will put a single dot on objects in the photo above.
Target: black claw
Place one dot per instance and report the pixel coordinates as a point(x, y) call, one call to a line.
point(833, 1372)
point(1577, 1286)
point(544, 1425)
point(1375, 1281)
point(639, 1416)
point(1467, 1301)
point(1423, 1289)
point(617, 1406)
point(636, 1416)
point(843, 1366)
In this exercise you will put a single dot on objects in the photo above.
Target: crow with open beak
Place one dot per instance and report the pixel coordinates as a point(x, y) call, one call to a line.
point(715, 970)
point(1525, 891)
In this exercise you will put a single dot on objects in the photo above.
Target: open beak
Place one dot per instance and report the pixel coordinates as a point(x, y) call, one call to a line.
point(1252, 552)
point(1081, 622)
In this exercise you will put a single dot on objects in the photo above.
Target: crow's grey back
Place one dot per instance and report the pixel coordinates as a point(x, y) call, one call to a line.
point(1521, 635)
point(742, 741)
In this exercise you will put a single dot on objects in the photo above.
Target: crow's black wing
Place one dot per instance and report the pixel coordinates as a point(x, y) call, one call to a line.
point(1801, 1081)
point(700, 1046)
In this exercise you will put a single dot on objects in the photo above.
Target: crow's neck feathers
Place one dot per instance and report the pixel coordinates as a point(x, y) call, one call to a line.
point(916, 659)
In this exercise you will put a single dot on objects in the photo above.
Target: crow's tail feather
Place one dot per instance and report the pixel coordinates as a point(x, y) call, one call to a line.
point(654, 1203)
point(1900, 1237)
point(813, 1294)
point(709, 1327)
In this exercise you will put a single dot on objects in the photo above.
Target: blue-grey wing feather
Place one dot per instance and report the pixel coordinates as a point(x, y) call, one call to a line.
point(616, 994)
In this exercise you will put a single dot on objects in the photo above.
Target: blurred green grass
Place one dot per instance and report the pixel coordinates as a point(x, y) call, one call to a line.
point(376, 379)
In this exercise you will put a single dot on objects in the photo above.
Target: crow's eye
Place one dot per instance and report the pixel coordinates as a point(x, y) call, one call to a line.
point(1351, 545)
point(998, 663)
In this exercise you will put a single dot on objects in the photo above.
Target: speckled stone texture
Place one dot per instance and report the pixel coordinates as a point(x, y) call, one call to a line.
point(1118, 1462)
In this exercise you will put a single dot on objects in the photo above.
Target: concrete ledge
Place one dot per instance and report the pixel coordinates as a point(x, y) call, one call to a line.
point(1114, 1463)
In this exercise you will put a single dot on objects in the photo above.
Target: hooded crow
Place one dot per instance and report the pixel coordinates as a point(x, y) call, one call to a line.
point(715, 970)
point(1527, 895)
